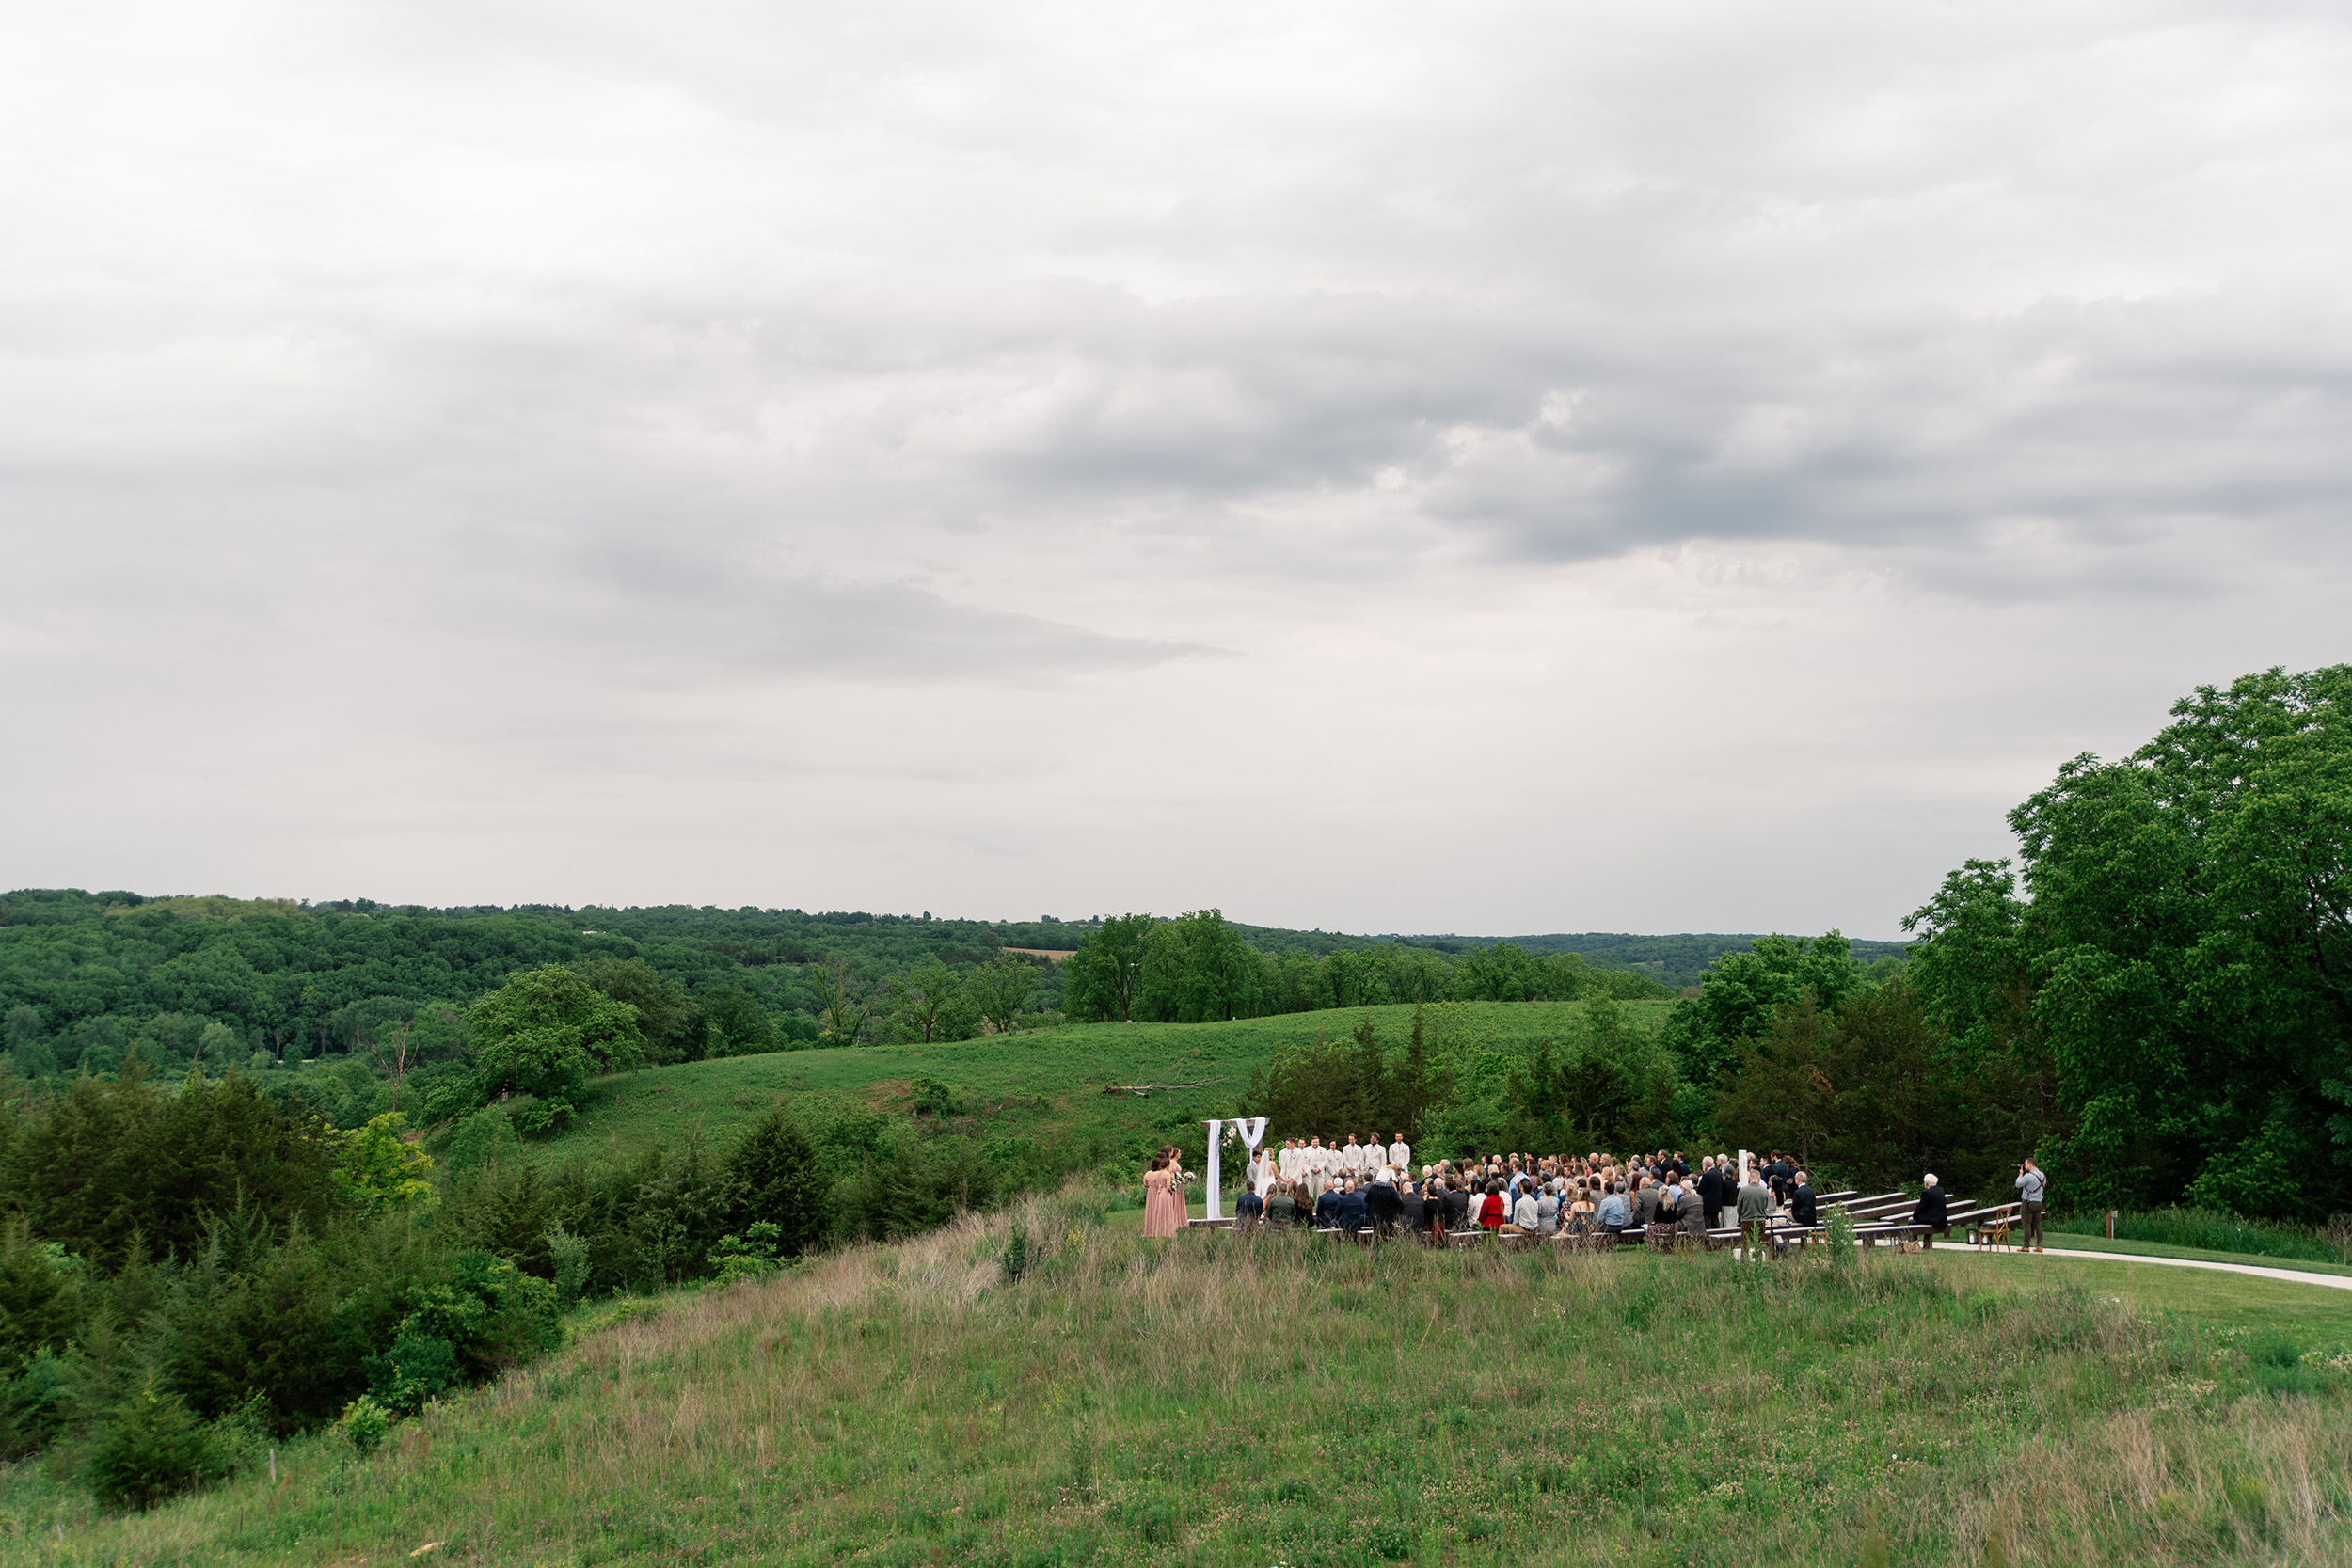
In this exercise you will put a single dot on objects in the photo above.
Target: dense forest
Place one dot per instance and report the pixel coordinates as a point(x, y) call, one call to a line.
point(89, 979)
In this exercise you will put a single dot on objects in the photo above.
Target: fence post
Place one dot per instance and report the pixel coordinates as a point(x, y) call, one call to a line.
point(2110, 1225)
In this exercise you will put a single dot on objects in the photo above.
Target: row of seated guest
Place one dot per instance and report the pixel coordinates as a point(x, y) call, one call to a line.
point(1311, 1169)
point(1452, 1198)
point(1458, 1201)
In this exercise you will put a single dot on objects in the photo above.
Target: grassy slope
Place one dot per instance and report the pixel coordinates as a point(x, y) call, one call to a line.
point(1212, 1402)
point(1065, 1067)
point(2318, 1316)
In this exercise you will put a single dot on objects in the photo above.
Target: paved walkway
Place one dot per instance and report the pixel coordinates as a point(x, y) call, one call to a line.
point(2293, 1276)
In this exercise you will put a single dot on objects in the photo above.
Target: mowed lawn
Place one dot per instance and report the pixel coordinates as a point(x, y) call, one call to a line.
point(2316, 1315)
point(1217, 1400)
point(1047, 1083)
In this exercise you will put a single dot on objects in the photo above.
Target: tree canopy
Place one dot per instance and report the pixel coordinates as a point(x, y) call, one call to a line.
point(2181, 958)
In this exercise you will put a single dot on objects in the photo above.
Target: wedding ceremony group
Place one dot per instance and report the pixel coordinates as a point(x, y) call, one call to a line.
point(1367, 1190)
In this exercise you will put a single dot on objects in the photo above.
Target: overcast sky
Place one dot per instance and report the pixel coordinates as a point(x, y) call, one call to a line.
point(1486, 467)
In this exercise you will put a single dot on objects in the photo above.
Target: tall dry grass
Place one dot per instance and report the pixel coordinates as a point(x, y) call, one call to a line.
point(1229, 1399)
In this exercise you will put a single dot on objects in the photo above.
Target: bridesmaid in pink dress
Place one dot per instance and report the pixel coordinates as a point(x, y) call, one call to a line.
point(1162, 1210)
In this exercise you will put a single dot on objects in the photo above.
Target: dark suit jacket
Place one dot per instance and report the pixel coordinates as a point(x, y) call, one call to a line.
point(1931, 1209)
point(1801, 1208)
point(1711, 1189)
point(1645, 1204)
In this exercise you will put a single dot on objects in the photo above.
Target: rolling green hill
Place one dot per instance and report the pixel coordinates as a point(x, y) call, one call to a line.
point(1046, 1085)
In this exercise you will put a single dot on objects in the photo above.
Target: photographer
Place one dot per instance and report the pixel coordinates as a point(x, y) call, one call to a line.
point(2033, 1189)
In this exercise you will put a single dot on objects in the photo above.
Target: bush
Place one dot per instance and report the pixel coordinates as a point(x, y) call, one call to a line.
point(750, 1255)
point(35, 1404)
point(1843, 1248)
point(548, 1113)
point(569, 1254)
point(418, 1367)
point(917, 1185)
point(151, 1447)
point(364, 1424)
point(491, 1314)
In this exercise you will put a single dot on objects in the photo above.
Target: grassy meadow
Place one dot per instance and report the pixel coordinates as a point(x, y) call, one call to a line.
point(1221, 1400)
point(1045, 1084)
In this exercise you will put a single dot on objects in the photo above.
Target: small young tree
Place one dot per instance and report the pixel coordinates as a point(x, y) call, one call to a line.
point(780, 1182)
point(151, 1447)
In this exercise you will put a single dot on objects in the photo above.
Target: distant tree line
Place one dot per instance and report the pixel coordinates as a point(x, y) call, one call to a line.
point(1197, 967)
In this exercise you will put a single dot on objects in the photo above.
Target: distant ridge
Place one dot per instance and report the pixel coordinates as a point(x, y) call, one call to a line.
point(1676, 960)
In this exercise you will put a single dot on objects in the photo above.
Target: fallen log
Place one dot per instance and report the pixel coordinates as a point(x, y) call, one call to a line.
point(1141, 1090)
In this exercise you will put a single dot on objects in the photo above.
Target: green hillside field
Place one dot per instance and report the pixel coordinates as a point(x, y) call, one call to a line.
point(1045, 1084)
point(1088, 1397)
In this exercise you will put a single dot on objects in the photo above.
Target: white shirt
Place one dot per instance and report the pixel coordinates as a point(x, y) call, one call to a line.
point(1401, 1155)
point(1526, 1213)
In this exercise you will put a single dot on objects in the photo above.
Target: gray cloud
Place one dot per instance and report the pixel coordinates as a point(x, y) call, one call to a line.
point(579, 397)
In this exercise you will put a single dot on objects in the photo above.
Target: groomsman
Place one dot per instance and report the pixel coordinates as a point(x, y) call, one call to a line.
point(1401, 1153)
point(1287, 1161)
point(1352, 1157)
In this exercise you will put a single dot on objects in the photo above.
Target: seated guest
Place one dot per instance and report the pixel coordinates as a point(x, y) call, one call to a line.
point(1328, 1207)
point(1577, 1219)
point(1413, 1205)
point(1350, 1215)
point(1548, 1208)
point(1526, 1217)
point(1690, 1214)
point(1801, 1209)
point(1282, 1209)
point(1457, 1204)
point(1249, 1211)
point(1645, 1201)
point(1492, 1211)
point(1435, 1195)
point(1932, 1211)
point(1615, 1213)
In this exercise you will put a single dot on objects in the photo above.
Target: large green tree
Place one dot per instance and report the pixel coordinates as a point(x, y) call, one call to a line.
point(2184, 954)
point(1107, 969)
point(545, 1030)
point(1742, 993)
